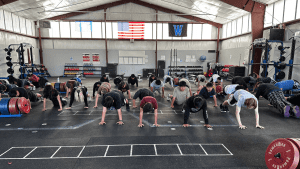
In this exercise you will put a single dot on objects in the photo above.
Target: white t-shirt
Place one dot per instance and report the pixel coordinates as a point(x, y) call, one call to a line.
point(229, 89)
point(241, 95)
point(181, 95)
point(187, 82)
point(171, 79)
point(214, 78)
point(199, 77)
point(156, 87)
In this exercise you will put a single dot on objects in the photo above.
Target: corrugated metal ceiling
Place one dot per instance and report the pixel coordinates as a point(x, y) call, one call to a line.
point(213, 10)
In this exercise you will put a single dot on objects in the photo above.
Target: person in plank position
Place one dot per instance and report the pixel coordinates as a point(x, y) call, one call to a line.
point(141, 93)
point(147, 104)
point(242, 98)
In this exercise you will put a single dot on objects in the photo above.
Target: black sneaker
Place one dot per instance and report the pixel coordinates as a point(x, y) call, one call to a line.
point(223, 109)
point(226, 109)
point(127, 107)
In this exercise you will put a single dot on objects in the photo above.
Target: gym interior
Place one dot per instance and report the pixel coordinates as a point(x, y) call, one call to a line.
point(149, 84)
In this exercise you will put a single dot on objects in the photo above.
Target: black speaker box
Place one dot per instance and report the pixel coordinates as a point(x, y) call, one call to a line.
point(161, 64)
point(276, 34)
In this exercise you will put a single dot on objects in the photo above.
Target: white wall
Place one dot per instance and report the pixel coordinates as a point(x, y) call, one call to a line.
point(235, 51)
point(9, 38)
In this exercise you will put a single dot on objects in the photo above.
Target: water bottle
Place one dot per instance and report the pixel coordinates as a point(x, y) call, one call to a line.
point(58, 80)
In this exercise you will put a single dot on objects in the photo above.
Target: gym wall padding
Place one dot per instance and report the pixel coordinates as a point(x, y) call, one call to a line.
point(236, 47)
point(7, 39)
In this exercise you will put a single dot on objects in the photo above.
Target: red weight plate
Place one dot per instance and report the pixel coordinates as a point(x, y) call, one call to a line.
point(13, 105)
point(296, 141)
point(282, 153)
point(24, 105)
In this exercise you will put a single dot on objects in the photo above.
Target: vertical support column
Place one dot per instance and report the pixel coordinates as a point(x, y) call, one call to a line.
point(156, 18)
point(31, 56)
point(28, 56)
point(292, 59)
point(218, 41)
point(257, 17)
point(41, 48)
point(106, 52)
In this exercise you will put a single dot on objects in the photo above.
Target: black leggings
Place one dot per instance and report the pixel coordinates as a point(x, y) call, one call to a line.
point(73, 96)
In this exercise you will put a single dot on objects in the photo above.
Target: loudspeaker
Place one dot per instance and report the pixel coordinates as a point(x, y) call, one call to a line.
point(161, 64)
point(161, 73)
point(276, 34)
point(237, 71)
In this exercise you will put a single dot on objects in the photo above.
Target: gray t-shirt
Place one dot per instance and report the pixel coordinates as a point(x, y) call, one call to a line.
point(241, 96)
point(181, 95)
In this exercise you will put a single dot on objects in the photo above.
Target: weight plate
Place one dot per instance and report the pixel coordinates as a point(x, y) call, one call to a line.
point(296, 141)
point(24, 105)
point(13, 105)
point(56, 86)
point(282, 153)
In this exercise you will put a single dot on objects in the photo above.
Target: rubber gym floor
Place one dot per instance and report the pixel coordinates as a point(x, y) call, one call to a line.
point(73, 138)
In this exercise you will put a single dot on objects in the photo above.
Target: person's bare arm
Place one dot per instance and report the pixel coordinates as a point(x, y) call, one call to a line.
point(133, 103)
point(257, 119)
point(96, 100)
point(129, 95)
point(151, 89)
point(155, 118)
point(215, 100)
point(59, 101)
point(238, 118)
point(141, 118)
point(103, 116)
point(44, 105)
point(172, 103)
point(120, 122)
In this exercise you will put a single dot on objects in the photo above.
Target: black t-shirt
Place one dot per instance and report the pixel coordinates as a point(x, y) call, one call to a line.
point(31, 96)
point(23, 82)
point(247, 79)
point(151, 80)
point(133, 81)
point(265, 89)
point(239, 80)
point(295, 100)
point(118, 98)
point(123, 89)
point(22, 91)
point(207, 94)
point(104, 80)
point(266, 80)
point(52, 95)
point(141, 93)
point(190, 101)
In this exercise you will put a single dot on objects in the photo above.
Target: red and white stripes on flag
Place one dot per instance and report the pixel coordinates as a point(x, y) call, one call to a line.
point(131, 30)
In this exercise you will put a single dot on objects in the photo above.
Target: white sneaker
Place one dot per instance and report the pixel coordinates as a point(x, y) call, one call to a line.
point(168, 98)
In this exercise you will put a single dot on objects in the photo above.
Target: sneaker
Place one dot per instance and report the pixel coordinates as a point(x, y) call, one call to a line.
point(296, 112)
point(222, 108)
point(182, 110)
point(127, 107)
point(227, 109)
point(168, 98)
point(286, 111)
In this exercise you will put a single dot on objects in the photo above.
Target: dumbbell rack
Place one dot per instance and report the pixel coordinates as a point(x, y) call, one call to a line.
point(188, 70)
point(84, 70)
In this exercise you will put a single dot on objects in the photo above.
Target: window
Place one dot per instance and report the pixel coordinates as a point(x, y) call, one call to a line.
point(54, 31)
point(64, 29)
point(115, 30)
point(75, 33)
point(239, 26)
point(103, 29)
point(159, 31)
point(278, 12)
point(224, 31)
point(233, 28)
point(188, 32)
point(197, 31)
point(166, 31)
point(16, 23)
point(29, 27)
point(245, 24)
point(206, 33)
point(8, 21)
point(154, 30)
point(298, 10)
point(86, 28)
point(96, 30)
point(23, 25)
point(148, 31)
point(250, 24)
point(289, 10)
point(2, 25)
point(268, 15)
point(228, 29)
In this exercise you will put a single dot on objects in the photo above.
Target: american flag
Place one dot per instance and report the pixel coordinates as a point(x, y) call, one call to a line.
point(131, 30)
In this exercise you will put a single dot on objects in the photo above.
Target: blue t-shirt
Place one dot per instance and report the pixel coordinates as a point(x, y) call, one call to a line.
point(241, 95)
point(155, 86)
point(285, 85)
point(207, 94)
